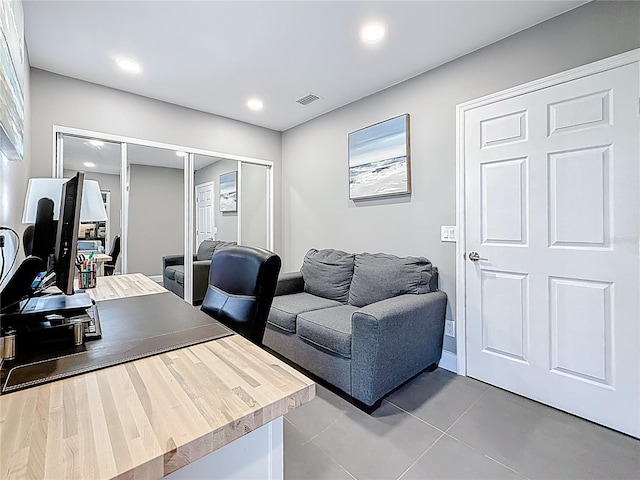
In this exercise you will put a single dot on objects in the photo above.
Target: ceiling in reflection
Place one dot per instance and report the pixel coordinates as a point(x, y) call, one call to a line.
point(106, 156)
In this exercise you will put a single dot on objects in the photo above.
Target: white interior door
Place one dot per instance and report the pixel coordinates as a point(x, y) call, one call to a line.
point(551, 181)
point(205, 228)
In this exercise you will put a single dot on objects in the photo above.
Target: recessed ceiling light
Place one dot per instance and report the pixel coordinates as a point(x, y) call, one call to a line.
point(255, 104)
point(128, 66)
point(181, 154)
point(89, 164)
point(96, 143)
point(372, 33)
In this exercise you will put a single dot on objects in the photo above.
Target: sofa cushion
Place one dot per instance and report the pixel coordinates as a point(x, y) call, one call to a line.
point(329, 328)
point(285, 308)
point(327, 273)
point(180, 274)
point(380, 276)
point(175, 273)
point(170, 271)
point(207, 248)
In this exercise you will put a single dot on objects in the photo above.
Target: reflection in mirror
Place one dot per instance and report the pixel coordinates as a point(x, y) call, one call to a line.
point(100, 160)
point(213, 219)
point(253, 202)
point(156, 210)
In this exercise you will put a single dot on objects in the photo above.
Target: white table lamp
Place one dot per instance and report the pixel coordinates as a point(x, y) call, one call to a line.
point(91, 210)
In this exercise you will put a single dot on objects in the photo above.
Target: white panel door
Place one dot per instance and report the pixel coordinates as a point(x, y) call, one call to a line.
point(205, 227)
point(552, 208)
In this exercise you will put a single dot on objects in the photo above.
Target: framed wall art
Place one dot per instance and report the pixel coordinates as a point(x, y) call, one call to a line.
point(11, 80)
point(229, 192)
point(379, 160)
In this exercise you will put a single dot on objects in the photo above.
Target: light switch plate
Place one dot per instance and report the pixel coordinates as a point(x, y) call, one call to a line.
point(448, 234)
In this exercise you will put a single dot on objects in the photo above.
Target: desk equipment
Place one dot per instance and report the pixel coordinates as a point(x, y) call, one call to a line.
point(39, 318)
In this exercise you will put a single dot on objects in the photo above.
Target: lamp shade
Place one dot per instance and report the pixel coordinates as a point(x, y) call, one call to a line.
point(91, 210)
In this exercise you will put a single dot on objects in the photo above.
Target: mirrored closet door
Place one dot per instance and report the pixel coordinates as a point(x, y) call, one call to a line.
point(164, 201)
point(101, 161)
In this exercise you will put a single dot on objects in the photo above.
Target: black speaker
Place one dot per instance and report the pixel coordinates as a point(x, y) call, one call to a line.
point(44, 230)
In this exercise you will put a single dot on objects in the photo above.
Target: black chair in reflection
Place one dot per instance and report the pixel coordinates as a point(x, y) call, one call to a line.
point(242, 282)
point(27, 239)
point(110, 266)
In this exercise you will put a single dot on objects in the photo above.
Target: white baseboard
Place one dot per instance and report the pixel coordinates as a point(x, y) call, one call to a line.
point(156, 278)
point(448, 361)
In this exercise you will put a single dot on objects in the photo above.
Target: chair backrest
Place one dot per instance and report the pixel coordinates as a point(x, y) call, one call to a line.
point(27, 239)
point(115, 250)
point(242, 282)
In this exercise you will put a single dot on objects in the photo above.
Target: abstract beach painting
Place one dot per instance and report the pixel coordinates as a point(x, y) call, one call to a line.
point(379, 160)
point(228, 192)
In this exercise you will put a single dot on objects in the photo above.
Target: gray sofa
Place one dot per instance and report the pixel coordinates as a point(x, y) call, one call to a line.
point(173, 270)
point(365, 323)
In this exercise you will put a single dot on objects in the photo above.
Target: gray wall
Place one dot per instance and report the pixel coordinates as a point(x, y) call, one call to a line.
point(316, 210)
point(226, 222)
point(156, 217)
point(253, 202)
point(65, 101)
point(14, 177)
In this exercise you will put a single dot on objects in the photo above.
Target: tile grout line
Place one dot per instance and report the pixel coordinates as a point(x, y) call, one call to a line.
point(423, 454)
point(414, 416)
point(320, 433)
point(470, 407)
point(327, 453)
point(473, 448)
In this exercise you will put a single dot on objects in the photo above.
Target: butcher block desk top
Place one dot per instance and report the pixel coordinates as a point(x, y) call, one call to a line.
point(147, 418)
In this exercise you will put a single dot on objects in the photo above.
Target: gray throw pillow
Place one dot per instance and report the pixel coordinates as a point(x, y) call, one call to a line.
point(208, 247)
point(380, 276)
point(327, 273)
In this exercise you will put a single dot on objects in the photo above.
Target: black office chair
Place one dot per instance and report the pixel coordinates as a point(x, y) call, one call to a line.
point(242, 282)
point(27, 239)
point(110, 266)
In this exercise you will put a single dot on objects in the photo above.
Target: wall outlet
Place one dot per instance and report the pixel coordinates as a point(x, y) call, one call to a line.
point(449, 328)
point(448, 234)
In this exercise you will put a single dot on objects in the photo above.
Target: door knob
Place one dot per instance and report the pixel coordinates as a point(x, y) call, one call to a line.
point(475, 256)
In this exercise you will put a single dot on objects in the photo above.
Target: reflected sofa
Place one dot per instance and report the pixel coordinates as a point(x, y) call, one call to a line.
point(365, 323)
point(173, 269)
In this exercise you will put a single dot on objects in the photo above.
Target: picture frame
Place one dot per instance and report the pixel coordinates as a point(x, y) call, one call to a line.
point(380, 159)
point(229, 192)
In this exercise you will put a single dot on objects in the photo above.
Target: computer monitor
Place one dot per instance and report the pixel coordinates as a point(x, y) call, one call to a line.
point(67, 234)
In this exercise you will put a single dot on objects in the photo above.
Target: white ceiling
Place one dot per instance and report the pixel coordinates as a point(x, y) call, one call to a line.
point(213, 55)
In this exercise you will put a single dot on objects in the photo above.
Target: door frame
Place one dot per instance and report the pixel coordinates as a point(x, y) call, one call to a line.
point(461, 109)
point(213, 220)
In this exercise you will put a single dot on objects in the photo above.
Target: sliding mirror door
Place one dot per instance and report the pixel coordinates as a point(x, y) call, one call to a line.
point(156, 215)
point(254, 194)
point(101, 161)
point(215, 199)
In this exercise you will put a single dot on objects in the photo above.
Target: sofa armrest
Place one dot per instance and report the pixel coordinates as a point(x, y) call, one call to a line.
point(289, 283)
point(200, 279)
point(393, 340)
point(169, 260)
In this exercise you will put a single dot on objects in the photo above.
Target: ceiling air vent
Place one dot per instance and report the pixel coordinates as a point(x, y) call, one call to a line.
point(306, 100)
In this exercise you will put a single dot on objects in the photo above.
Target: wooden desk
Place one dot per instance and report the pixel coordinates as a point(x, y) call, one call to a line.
point(147, 418)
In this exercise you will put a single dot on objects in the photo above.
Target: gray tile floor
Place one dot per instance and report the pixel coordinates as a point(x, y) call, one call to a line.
point(444, 426)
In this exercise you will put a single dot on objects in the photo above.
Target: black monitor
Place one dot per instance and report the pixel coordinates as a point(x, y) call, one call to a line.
point(66, 243)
